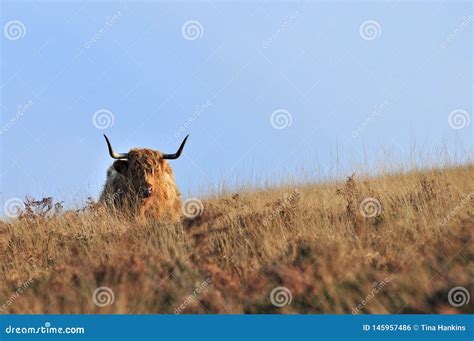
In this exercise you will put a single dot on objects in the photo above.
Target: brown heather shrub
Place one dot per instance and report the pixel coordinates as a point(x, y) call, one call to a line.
point(311, 239)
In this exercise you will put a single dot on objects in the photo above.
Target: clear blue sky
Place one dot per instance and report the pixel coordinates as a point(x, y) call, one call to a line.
point(220, 80)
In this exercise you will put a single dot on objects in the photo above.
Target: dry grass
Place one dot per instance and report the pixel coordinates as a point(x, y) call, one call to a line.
point(313, 240)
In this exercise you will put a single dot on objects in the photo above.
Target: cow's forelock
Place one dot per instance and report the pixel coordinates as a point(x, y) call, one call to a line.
point(144, 169)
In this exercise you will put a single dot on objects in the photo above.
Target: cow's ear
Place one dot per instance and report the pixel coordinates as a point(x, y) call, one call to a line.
point(121, 166)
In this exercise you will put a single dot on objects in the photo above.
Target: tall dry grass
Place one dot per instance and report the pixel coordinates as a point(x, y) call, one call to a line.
point(311, 239)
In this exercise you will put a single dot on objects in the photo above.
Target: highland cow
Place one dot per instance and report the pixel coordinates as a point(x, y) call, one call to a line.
point(141, 182)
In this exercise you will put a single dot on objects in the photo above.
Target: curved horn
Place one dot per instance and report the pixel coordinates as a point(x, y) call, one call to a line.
point(114, 155)
point(178, 153)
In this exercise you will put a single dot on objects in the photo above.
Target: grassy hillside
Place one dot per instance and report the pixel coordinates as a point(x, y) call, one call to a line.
point(316, 248)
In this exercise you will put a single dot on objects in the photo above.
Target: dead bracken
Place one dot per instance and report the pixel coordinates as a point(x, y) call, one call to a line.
point(310, 241)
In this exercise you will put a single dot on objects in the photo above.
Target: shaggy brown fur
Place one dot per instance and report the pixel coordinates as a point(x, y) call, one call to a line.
point(129, 182)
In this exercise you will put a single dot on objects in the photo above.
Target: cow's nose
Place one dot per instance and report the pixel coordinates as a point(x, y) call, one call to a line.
point(147, 191)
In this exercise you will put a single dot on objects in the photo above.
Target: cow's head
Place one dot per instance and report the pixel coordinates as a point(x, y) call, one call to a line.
point(145, 171)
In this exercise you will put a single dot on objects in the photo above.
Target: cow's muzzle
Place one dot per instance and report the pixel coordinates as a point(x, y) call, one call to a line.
point(147, 191)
